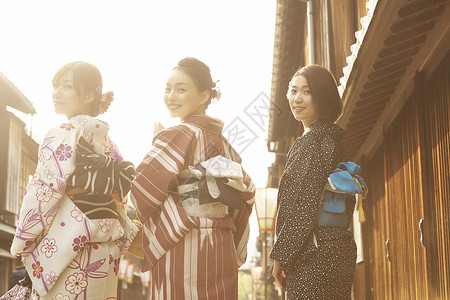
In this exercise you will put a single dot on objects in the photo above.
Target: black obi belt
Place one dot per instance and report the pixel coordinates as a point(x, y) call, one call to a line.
point(98, 181)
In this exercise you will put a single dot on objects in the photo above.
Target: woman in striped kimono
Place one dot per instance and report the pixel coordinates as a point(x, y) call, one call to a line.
point(70, 235)
point(193, 197)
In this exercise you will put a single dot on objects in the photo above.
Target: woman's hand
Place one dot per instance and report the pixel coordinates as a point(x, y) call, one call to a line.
point(278, 273)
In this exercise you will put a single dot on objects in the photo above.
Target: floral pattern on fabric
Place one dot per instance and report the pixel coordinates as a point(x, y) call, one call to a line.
point(37, 270)
point(50, 174)
point(105, 225)
point(78, 243)
point(64, 152)
point(76, 283)
point(49, 247)
point(77, 214)
point(60, 296)
point(44, 194)
point(17, 292)
point(50, 279)
point(67, 126)
point(66, 253)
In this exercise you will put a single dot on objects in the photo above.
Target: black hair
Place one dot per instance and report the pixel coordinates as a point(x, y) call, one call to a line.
point(200, 73)
point(325, 95)
point(86, 79)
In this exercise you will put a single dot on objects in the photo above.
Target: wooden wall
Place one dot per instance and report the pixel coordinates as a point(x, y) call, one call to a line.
point(360, 11)
point(16, 128)
point(335, 33)
point(409, 200)
point(4, 137)
point(436, 174)
point(343, 33)
point(335, 24)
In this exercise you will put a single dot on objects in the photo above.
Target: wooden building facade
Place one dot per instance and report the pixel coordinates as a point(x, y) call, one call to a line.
point(392, 62)
point(18, 160)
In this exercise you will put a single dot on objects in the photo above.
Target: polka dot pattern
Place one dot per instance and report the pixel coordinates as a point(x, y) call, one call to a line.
point(313, 272)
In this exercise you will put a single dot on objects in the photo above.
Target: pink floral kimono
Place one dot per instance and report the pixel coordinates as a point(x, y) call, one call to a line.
point(66, 254)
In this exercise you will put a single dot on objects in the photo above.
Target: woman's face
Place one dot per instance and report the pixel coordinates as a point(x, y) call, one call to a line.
point(182, 97)
point(301, 102)
point(66, 99)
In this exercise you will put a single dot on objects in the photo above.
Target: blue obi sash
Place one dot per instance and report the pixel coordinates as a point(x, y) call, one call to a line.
point(342, 182)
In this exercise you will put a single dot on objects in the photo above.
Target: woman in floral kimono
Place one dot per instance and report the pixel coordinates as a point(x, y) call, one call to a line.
point(193, 197)
point(70, 236)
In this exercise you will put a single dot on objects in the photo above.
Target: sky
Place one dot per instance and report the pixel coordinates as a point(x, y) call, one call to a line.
point(135, 44)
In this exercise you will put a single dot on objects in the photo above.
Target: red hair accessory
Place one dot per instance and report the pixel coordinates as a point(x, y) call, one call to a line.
point(105, 101)
point(217, 90)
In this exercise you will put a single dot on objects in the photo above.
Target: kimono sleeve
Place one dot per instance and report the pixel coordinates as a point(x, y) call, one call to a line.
point(241, 219)
point(296, 228)
point(56, 161)
point(156, 175)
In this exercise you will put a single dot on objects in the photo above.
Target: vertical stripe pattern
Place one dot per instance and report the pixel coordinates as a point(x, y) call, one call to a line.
point(189, 257)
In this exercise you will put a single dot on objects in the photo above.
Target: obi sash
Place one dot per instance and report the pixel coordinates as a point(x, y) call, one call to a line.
point(342, 182)
point(209, 188)
point(99, 181)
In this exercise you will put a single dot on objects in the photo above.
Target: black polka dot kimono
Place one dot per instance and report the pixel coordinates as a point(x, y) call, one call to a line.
point(324, 271)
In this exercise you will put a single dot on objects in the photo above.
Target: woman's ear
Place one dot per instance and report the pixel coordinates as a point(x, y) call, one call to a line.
point(89, 97)
point(205, 96)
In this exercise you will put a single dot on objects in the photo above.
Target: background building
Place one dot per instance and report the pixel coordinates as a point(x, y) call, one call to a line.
point(18, 159)
point(393, 65)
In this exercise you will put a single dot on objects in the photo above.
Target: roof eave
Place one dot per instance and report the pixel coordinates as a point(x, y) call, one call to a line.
point(13, 97)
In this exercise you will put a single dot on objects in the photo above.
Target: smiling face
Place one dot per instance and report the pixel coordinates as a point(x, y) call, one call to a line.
point(182, 96)
point(301, 102)
point(66, 99)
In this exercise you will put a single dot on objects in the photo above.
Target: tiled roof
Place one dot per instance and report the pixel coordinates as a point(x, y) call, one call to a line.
point(10, 95)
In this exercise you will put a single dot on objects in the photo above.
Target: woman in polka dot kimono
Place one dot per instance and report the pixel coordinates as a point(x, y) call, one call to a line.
point(72, 251)
point(313, 262)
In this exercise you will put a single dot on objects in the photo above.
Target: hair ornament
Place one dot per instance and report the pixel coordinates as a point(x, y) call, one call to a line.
point(105, 101)
point(218, 93)
point(98, 90)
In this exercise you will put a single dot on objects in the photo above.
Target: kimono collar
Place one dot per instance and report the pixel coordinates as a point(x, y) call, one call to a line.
point(97, 127)
point(205, 122)
point(323, 127)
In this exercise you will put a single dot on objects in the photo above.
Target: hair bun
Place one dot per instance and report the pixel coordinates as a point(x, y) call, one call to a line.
point(105, 102)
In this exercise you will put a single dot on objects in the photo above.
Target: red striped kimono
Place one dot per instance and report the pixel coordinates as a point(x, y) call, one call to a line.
point(189, 257)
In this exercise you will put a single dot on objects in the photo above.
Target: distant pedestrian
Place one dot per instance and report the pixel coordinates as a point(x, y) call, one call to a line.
point(18, 274)
point(73, 225)
point(315, 261)
point(193, 197)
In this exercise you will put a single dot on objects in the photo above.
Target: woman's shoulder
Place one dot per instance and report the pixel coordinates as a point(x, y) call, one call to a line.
point(63, 129)
point(175, 132)
point(326, 132)
point(331, 142)
point(326, 128)
point(91, 124)
point(322, 137)
point(80, 123)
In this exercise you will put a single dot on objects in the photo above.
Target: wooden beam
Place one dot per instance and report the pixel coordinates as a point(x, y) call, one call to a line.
point(439, 36)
